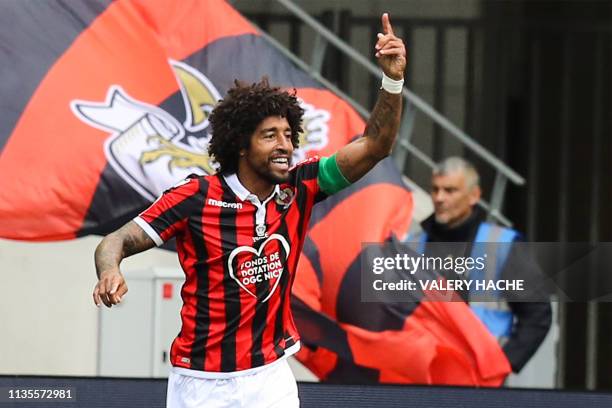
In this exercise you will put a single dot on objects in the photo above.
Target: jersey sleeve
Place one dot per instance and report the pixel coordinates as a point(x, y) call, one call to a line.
point(321, 176)
point(306, 173)
point(167, 216)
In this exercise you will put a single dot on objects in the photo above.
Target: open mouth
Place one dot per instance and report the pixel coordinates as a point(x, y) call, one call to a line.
point(280, 163)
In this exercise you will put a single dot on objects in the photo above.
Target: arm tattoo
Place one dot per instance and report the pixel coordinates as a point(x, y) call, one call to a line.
point(384, 120)
point(127, 240)
point(135, 239)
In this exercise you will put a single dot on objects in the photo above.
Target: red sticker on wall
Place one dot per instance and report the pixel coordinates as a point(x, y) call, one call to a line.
point(167, 291)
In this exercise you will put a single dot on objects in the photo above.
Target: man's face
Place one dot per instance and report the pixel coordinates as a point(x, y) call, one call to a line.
point(270, 150)
point(452, 198)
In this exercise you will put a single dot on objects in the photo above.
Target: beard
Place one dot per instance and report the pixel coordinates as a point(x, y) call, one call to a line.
point(270, 176)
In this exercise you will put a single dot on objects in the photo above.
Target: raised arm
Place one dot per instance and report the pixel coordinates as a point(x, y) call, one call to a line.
point(357, 158)
point(127, 240)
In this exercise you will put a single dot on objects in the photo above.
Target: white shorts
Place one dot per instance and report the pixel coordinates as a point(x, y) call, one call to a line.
point(271, 387)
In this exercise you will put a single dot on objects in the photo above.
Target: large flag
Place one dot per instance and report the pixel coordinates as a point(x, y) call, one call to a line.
point(105, 104)
point(425, 339)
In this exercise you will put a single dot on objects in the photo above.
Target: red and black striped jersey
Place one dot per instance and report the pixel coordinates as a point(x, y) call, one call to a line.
point(239, 256)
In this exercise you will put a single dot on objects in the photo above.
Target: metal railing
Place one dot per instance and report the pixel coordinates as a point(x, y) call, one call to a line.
point(324, 37)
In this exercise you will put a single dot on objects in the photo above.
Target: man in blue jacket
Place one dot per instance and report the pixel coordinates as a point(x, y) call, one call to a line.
point(520, 327)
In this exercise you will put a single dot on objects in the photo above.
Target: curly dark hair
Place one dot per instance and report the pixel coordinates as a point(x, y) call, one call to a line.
point(236, 117)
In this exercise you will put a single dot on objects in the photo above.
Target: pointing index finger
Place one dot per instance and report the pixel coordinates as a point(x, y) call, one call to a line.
point(386, 24)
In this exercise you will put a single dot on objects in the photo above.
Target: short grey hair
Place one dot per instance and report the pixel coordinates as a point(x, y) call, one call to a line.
point(454, 164)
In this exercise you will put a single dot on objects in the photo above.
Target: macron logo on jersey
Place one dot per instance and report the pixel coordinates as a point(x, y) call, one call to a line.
point(223, 204)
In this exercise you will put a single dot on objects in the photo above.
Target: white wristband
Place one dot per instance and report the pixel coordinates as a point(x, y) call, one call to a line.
point(391, 85)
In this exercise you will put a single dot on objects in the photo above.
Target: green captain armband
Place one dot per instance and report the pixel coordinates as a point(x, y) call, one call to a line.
point(330, 178)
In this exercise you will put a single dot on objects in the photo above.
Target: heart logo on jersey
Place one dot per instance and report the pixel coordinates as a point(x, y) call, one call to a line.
point(261, 268)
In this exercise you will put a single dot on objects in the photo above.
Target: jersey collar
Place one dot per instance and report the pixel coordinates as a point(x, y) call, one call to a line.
point(241, 191)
